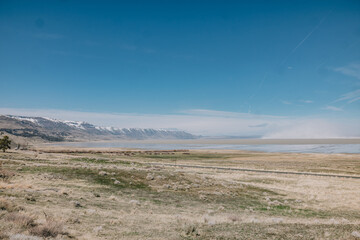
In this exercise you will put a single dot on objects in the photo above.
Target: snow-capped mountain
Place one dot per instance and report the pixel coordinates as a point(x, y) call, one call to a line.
point(59, 130)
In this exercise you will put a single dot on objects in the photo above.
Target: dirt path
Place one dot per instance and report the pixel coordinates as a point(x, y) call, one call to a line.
point(254, 170)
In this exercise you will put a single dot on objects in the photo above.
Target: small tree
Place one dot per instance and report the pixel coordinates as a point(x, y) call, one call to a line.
point(5, 143)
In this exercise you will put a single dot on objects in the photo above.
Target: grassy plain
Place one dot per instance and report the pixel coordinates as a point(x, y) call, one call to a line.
point(116, 194)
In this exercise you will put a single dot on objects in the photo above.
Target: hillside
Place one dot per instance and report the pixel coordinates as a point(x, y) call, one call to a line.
point(52, 130)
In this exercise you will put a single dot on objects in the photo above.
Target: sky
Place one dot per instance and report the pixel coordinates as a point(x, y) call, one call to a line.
point(275, 69)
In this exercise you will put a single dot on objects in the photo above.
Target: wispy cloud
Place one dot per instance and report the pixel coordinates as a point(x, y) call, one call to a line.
point(286, 102)
point(333, 108)
point(350, 97)
point(259, 125)
point(352, 70)
point(215, 113)
point(210, 123)
point(306, 101)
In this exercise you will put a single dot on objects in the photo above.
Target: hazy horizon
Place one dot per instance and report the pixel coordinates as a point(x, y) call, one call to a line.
point(284, 69)
point(210, 123)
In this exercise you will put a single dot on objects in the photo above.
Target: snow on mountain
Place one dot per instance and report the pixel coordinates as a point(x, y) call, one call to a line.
point(65, 129)
point(21, 118)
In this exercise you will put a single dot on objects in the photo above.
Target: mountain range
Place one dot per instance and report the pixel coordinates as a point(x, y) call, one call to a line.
point(53, 130)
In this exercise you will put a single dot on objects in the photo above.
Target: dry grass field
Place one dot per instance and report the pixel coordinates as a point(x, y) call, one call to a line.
point(56, 193)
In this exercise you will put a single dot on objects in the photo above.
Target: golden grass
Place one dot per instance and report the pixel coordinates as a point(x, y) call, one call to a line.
point(104, 195)
point(20, 219)
point(7, 205)
point(51, 228)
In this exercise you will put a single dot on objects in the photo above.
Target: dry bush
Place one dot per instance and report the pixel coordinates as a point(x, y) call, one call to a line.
point(6, 205)
point(3, 235)
point(5, 175)
point(190, 231)
point(233, 218)
point(21, 219)
point(51, 228)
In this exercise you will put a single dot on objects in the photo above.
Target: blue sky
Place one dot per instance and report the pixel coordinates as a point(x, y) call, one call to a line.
point(297, 60)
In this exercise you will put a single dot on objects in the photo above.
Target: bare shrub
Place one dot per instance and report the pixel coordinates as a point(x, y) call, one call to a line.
point(51, 228)
point(3, 235)
point(190, 230)
point(233, 218)
point(6, 205)
point(21, 219)
point(5, 175)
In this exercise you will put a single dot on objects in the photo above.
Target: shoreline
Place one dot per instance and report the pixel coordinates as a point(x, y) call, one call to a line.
point(218, 141)
point(315, 146)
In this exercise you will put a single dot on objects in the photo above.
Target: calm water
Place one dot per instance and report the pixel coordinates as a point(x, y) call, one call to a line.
point(303, 148)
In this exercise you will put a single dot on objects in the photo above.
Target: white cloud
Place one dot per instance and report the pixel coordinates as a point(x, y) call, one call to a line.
point(333, 108)
point(286, 102)
point(210, 123)
point(306, 101)
point(207, 112)
point(352, 70)
point(259, 125)
point(311, 128)
point(350, 97)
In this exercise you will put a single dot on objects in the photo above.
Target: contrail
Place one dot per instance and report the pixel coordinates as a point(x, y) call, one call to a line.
point(307, 36)
point(259, 87)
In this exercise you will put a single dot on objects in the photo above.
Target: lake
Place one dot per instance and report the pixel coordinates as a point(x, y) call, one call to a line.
point(146, 145)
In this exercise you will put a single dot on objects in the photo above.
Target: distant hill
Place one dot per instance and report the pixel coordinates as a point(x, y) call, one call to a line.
point(52, 130)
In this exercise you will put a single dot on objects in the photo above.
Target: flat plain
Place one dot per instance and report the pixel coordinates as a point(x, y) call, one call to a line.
point(71, 193)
